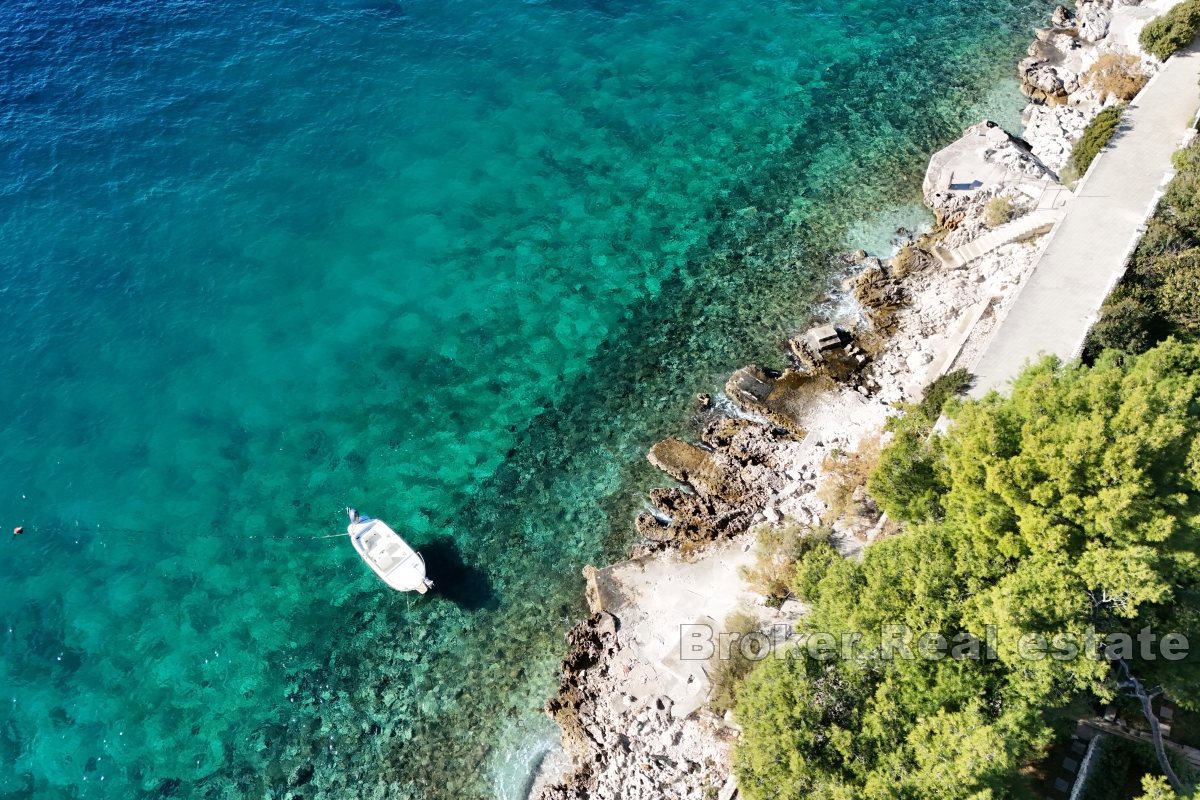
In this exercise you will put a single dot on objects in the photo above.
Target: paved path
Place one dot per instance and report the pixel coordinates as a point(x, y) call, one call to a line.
point(1088, 249)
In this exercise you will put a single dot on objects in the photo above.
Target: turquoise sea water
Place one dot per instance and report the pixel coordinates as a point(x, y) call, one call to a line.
point(457, 264)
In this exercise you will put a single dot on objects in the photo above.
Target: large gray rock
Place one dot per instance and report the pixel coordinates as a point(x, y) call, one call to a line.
point(1042, 51)
point(1093, 20)
point(1041, 81)
point(707, 471)
point(781, 397)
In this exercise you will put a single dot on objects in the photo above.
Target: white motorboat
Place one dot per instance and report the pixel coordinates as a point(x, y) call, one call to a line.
point(400, 567)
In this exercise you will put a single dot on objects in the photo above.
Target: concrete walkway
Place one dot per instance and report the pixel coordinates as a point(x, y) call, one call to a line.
point(1089, 247)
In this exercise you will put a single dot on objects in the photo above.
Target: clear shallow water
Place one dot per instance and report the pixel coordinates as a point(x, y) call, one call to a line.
point(457, 264)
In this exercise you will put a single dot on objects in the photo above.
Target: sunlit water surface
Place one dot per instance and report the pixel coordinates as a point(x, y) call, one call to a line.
point(455, 263)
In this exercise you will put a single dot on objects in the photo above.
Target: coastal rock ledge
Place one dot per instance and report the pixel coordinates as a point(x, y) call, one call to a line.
point(634, 714)
point(727, 478)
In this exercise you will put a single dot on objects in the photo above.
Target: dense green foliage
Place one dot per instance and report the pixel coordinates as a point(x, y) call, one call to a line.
point(776, 552)
point(945, 387)
point(1174, 30)
point(1073, 504)
point(1095, 136)
point(1155, 787)
point(1160, 293)
point(1119, 762)
point(905, 482)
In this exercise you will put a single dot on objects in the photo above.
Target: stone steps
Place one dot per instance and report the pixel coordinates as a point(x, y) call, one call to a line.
point(1043, 216)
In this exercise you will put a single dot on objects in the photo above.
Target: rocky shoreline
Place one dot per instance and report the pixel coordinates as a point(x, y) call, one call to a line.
point(634, 718)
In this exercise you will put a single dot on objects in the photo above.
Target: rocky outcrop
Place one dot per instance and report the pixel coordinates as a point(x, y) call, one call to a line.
point(980, 164)
point(881, 293)
point(1055, 74)
point(831, 351)
point(622, 748)
point(709, 472)
point(729, 478)
point(590, 646)
point(1093, 20)
point(1053, 129)
point(1042, 82)
point(780, 397)
point(1046, 74)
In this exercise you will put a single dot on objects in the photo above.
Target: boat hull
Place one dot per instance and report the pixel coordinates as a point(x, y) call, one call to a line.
point(388, 555)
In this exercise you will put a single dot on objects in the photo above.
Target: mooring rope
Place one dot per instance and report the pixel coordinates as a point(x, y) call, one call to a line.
point(27, 530)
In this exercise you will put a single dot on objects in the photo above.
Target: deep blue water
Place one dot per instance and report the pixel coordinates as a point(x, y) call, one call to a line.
point(455, 263)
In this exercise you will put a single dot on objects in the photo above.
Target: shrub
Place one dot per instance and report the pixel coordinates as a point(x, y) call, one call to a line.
point(1181, 291)
point(1125, 324)
point(1095, 136)
point(1173, 31)
point(729, 669)
point(905, 482)
point(1186, 160)
point(1117, 75)
point(998, 211)
point(846, 476)
point(812, 568)
point(1155, 787)
point(936, 394)
point(776, 552)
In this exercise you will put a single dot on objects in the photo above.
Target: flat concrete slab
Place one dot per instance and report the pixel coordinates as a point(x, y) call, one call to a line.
point(1087, 253)
point(654, 597)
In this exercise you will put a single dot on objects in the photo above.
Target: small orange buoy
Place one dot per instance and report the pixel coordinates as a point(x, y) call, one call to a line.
point(17, 531)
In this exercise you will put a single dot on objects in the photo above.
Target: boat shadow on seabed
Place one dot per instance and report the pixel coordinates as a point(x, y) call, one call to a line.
point(454, 579)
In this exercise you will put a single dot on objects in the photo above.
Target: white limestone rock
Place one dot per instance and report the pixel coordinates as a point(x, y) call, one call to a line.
point(1093, 20)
